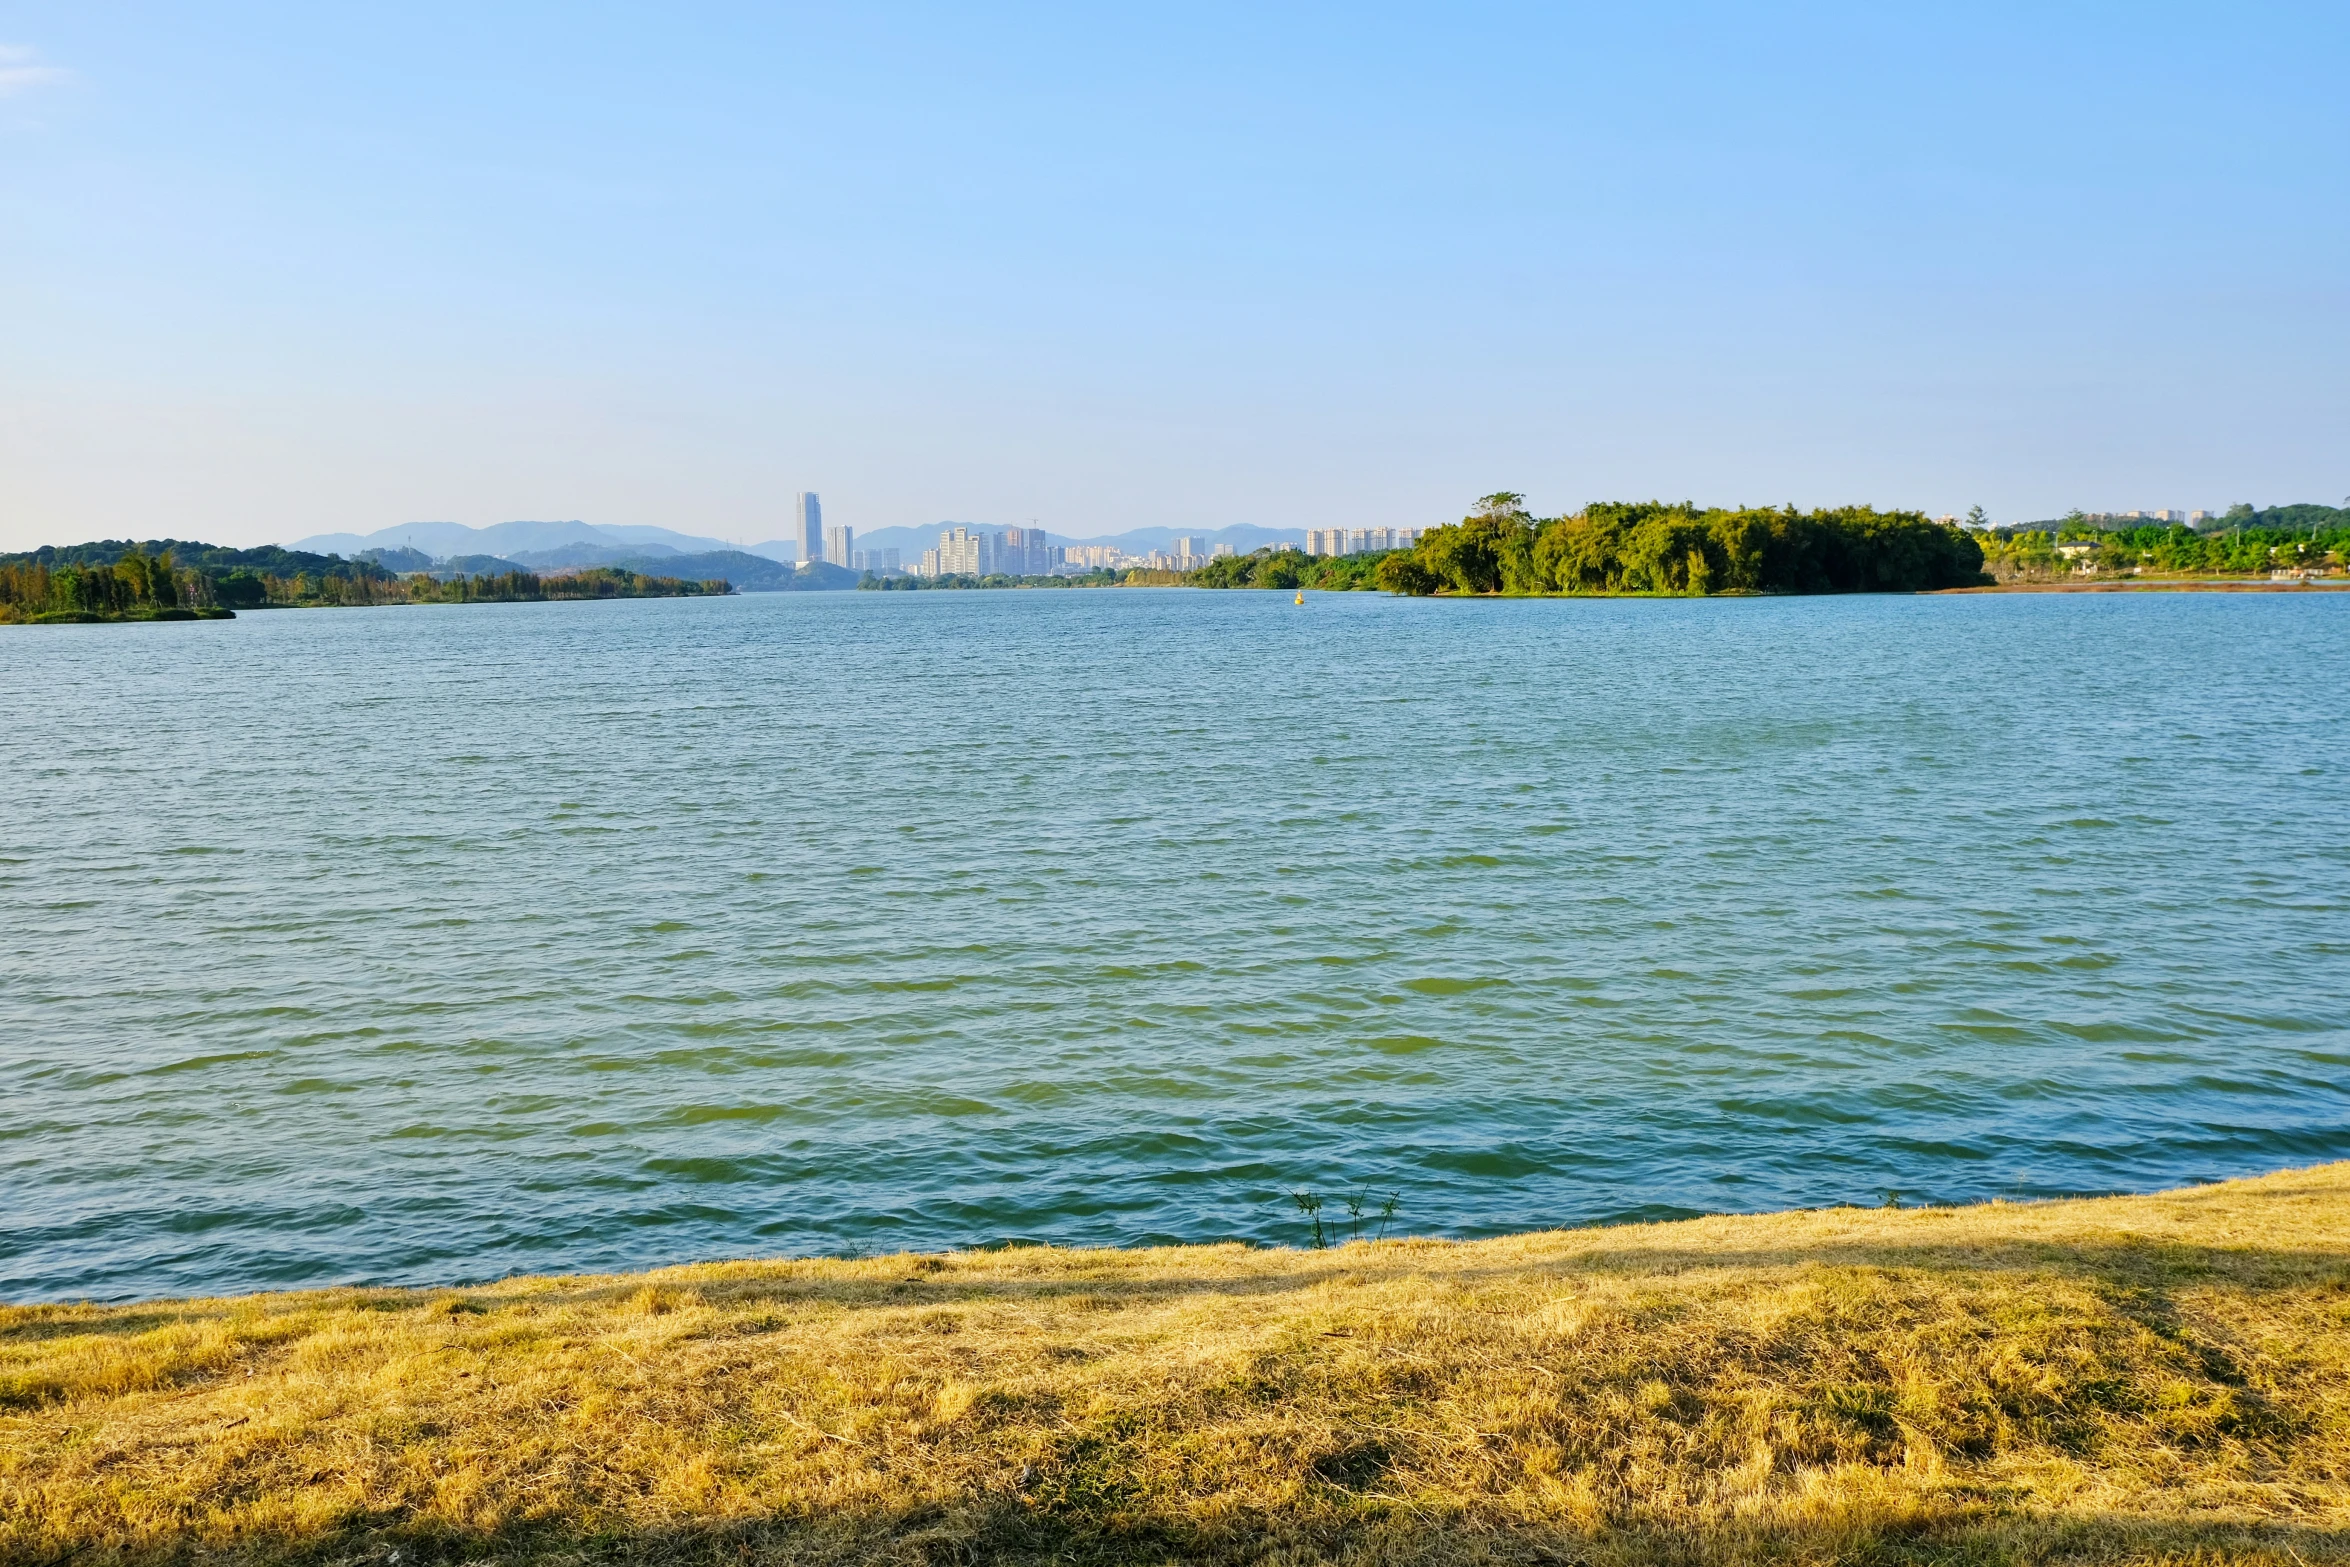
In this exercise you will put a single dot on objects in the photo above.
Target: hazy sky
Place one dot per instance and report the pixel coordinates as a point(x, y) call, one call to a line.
point(270, 270)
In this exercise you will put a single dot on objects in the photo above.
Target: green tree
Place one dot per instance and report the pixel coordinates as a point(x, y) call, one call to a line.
point(1489, 551)
point(1283, 568)
point(1402, 572)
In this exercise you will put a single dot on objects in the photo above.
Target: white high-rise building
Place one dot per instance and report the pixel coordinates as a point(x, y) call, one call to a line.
point(840, 544)
point(959, 553)
point(811, 540)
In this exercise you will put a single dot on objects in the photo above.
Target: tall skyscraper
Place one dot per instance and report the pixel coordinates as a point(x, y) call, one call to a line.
point(840, 544)
point(811, 527)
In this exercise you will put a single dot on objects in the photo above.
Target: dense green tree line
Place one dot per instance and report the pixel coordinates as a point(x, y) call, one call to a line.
point(132, 586)
point(1289, 567)
point(2295, 521)
point(1655, 547)
point(1639, 547)
point(594, 582)
point(911, 584)
point(212, 559)
point(119, 580)
point(2244, 543)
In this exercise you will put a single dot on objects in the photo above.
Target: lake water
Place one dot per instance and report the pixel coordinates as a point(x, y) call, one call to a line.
point(433, 944)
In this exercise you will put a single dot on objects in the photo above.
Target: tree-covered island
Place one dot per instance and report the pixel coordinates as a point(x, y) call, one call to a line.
point(173, 579)
point(1649, 548)
point(1644, 547)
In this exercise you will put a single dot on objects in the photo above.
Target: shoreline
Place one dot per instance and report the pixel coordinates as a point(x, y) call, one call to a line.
point(2088, 1378)
point(2159, 585)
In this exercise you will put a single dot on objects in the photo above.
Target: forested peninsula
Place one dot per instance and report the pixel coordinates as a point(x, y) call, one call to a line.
point(1643, 547)
point(1654, 548)
point(174, 579)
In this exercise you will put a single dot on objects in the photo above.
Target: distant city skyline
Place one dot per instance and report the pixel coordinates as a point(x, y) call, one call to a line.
point(1024, 551)
point(311, 270)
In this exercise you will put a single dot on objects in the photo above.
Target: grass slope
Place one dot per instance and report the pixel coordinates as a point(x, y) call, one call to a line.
point(2130, 1379)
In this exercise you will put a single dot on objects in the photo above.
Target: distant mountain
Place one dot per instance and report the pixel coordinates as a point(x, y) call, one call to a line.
point(475, 566)
point(570, 557)
point(511, 539)
point(400, 560)
point(748, 573)
point(565, 546)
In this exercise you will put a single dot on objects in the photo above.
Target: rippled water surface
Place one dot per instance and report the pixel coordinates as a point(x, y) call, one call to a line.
point(440, 943)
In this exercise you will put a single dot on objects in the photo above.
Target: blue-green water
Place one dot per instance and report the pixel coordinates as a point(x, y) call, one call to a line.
point(434, 944)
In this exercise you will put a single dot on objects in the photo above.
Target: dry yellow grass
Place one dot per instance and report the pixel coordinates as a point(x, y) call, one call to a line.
point(2157, 1378)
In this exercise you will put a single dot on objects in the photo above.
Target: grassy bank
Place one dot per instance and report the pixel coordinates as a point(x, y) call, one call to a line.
point(2127, 1379)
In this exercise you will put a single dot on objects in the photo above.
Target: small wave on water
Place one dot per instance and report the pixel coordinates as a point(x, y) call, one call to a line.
point(434, 944)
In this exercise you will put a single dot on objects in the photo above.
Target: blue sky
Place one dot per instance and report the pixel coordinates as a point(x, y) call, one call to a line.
point(277, 270)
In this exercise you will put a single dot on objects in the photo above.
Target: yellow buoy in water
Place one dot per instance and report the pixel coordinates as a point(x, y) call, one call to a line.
point(1301, 595)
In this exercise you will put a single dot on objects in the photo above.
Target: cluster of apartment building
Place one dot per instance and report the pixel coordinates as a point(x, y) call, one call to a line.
point(1189, 554)
point(975, 552)
point(1027, 552)
point(1359, 541)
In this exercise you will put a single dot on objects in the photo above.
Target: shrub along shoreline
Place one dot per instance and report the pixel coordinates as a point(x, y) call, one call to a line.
point(2139, 1378)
